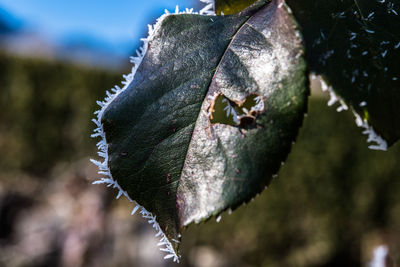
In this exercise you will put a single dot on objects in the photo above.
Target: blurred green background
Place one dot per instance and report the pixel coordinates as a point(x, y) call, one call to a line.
point(333, 202)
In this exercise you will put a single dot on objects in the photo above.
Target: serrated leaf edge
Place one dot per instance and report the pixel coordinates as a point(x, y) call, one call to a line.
point(373, 137)
point(102, 145)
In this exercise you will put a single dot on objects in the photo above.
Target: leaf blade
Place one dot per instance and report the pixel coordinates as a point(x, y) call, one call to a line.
point(150, 125)
point(359, 37)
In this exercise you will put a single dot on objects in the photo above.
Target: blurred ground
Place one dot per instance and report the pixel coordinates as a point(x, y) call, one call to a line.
point(333, 202)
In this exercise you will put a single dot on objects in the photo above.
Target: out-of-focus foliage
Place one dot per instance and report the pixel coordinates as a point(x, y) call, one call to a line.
point(45, 111)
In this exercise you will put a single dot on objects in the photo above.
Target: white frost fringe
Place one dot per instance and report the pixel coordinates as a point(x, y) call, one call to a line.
point(209, 9)
point(99, 132)
point(381, 144)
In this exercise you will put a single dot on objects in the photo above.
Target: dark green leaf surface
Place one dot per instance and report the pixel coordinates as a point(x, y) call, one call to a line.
point(355, 46)
point(231, 6)
point(164, 150)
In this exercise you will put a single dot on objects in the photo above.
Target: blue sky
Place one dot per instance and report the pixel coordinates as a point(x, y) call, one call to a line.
point(120, 23)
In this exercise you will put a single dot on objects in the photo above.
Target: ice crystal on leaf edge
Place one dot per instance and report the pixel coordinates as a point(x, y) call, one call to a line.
point(380, 143)
point(102, 145)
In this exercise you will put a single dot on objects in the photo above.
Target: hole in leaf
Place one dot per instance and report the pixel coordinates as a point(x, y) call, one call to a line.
point(236, 113)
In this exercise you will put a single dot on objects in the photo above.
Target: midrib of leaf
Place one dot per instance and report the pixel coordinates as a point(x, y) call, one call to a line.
point(207, 91)
point(197, 213)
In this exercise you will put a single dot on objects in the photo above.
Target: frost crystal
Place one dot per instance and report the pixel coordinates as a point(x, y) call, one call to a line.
point(381, 144)
point(209, 9)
